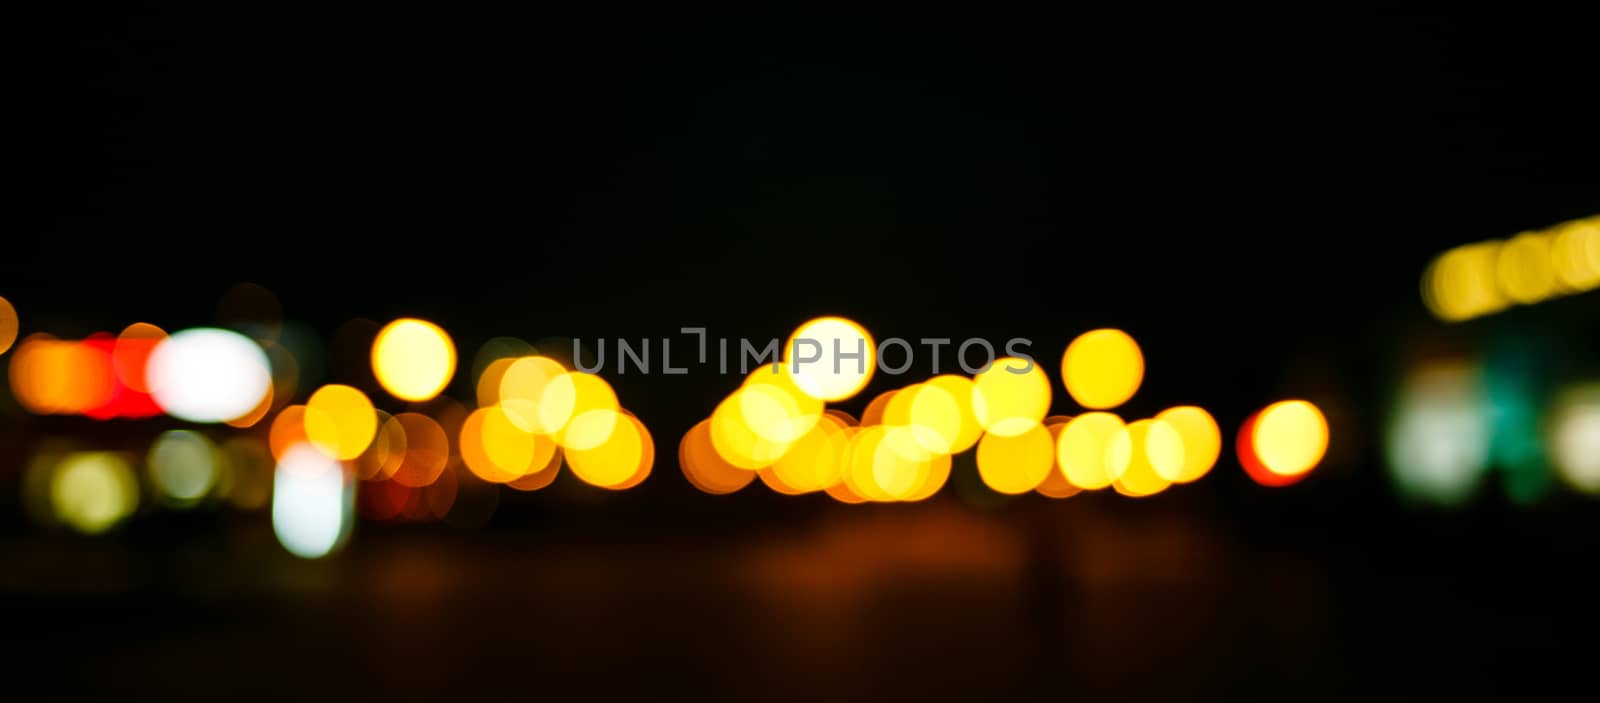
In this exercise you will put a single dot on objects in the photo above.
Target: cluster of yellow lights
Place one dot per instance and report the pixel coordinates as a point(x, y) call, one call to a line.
point(533, 415)
point(775, 427)
point(1486, 277)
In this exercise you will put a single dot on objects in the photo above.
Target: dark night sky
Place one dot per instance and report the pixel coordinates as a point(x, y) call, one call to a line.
point(1238, 190)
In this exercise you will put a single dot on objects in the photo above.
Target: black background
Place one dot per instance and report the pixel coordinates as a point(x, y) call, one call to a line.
point(1253, 195)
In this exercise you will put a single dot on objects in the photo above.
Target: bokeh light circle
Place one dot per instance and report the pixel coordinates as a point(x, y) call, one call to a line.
point(1083, 450)
point(837, 374)
point(208, 375)
point(1149, 451)
point(1102, 368)
point(93, 491)
point(184, 466)
point(1202, 443)
point(1290, 437)
point(1014, 464)
point(1011, 397)
point(626, 451)
point(413, 359)
point(340, 421)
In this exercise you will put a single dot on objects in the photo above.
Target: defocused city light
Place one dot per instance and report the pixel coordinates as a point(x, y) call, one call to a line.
point(184, 466)
point(1083, 450)
point(814, 461)
point(287, 430)
point(1291, 437)
point(704, 466)
point(498, 451)
point(1577, 254)
point(208, 375)
point(59, 377)
point(1102, 368)
point(130, 355)
point(736, 442)
point(1202, 443)
point(1283, 442)
point(1439, 435)
point(313, 502)
point(1017, 463)
point(427, 450)
point(899, 464)
point(1149, 451)
point(1055, 484)
point(1575, 437)
point(845, 357)
point(572, 395)
point(1483, 278)
point(774, 407)
point(935, 418)
point(413, 359)
point(340, 421)
point(619, 461)
point(8, 324)
point(385, 453)
point(959, 389)
point(1462, 283)
point(542, 476)
point(770, 478)
point(93, 491)
point(1009, 401)
point(521, 391)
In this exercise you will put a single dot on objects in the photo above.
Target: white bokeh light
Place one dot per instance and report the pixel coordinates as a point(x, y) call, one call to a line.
point(208, 375)
point(1575, 437)
point(1439, 436)
point(313, 502)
